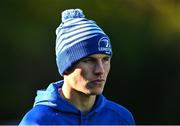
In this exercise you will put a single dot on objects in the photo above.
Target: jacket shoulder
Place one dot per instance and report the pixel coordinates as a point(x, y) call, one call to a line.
point(120, 111)
point(39, 114)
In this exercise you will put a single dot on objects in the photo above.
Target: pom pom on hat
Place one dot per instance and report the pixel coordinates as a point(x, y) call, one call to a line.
point(77, 38)
point(72, 13)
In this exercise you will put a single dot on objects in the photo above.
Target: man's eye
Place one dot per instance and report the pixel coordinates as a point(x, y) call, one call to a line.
point(106, 59)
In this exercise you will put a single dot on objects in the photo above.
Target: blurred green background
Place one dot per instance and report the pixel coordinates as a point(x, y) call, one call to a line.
point(145, 72)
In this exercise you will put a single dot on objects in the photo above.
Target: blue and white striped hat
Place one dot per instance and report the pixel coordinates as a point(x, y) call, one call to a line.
point(77, 38)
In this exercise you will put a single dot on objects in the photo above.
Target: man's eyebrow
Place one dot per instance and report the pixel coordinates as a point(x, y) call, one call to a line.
point(107, 56)
point(90, 57)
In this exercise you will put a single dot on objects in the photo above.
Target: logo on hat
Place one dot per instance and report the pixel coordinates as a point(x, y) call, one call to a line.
point(104, 45)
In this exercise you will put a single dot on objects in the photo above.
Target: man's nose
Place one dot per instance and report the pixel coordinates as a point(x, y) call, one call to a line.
point(99, 68)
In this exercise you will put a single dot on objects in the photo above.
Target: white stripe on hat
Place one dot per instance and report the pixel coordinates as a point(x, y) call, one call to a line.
point(70, 22)
point(61, 32)
point(73, 43)
point(73, 29)
point(74, 21)
point(64, 26)
point(75, 37)
point(74, 33)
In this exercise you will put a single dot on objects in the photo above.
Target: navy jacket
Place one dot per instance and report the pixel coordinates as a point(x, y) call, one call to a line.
point(51, 109)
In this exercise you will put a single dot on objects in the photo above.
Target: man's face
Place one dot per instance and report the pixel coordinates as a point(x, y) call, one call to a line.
point(89, 75)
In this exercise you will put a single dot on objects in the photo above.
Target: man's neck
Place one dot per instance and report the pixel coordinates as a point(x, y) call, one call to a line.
point(82, 101)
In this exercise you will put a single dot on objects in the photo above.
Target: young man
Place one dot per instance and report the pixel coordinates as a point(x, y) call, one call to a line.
point(83, 54)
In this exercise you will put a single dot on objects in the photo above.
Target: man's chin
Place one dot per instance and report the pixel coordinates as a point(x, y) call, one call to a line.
point(96, 92)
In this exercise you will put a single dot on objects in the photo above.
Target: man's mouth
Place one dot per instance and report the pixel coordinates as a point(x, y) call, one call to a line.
point(98, 81)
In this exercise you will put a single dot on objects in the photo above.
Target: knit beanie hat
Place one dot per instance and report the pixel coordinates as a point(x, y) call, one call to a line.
point(77, 38)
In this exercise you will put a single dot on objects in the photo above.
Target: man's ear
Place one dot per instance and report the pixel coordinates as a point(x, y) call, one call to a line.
point(69, 71)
